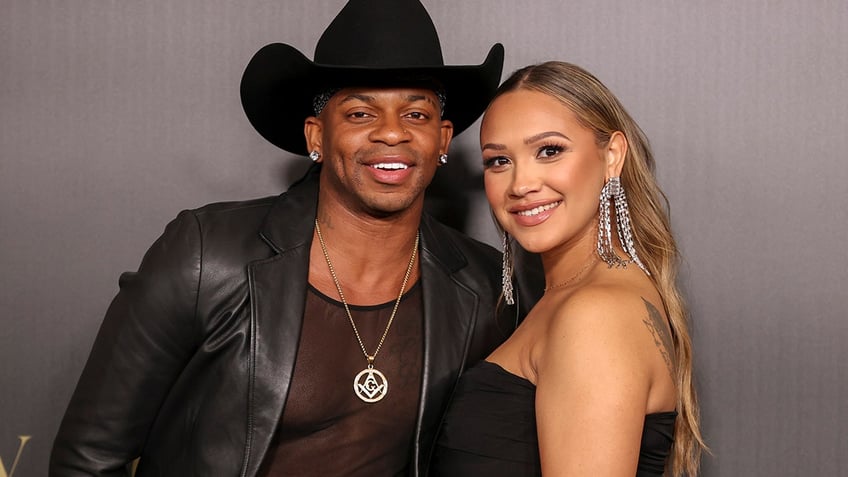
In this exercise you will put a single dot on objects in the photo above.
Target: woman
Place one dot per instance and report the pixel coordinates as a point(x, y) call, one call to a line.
point(597, 381)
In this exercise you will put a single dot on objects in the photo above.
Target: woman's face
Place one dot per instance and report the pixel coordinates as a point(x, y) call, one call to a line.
point(543, 171)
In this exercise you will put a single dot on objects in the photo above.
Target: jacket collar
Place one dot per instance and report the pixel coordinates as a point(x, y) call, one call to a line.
point(293, 214)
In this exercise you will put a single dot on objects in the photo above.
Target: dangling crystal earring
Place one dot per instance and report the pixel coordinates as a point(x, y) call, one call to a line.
point(443, 159)
point(506, 277)
point(614, 191)
point(625, 231)
point(315, 155)
point(605, 248)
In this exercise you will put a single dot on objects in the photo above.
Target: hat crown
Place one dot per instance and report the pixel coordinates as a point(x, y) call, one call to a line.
point(380, 34)
point(374, 43)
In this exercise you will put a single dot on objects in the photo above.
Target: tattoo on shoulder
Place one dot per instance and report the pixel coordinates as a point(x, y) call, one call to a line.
point(662, 336)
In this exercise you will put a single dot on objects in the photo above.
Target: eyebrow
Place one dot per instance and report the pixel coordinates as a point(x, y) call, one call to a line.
point(420, 97)
point(496, 147)
point(546, 134)
point(530, 140)
point(362, 97)
point(370, 99)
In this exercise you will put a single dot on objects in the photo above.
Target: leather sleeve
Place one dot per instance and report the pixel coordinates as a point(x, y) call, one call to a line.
point(149, 333)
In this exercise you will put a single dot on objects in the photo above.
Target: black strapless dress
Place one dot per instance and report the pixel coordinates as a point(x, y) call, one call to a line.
point(490, 429)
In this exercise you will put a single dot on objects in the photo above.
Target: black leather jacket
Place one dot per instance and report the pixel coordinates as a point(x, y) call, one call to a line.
point(192, 364)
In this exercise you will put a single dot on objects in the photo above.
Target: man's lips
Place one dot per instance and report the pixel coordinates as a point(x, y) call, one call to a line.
point(391, 171)
point(389, 166)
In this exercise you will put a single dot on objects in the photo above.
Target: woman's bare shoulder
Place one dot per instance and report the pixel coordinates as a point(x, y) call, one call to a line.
point(605, 322)
point(600, 305)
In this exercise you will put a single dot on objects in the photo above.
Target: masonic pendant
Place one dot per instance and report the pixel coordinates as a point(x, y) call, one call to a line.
point(370, 385)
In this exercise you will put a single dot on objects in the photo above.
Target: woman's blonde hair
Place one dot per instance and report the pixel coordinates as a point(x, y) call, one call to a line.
point(598, 109)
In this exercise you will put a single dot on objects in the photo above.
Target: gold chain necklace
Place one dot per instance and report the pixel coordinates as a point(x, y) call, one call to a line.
point(370, 385)
point(592, 260)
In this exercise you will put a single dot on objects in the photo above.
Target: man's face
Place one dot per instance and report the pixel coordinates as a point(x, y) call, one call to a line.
point(379, 146)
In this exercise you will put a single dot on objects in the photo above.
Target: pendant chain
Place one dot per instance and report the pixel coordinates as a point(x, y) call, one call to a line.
point(592, 260)
point(370, 358)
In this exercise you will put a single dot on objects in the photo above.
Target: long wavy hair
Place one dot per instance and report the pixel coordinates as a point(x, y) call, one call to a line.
point(598, 109)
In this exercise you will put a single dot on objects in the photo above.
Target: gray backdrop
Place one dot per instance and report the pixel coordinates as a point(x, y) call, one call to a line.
point(115, 115)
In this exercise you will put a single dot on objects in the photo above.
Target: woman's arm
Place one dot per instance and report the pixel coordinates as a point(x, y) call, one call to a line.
point(595, 369)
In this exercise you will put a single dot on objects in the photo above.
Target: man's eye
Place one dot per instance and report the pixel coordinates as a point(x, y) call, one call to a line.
point(417, 115)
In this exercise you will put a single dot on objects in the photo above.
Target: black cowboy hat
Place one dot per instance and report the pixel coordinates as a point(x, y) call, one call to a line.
point(369, 43)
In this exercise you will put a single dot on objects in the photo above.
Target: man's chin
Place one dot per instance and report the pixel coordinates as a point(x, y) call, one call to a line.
point(390, 205)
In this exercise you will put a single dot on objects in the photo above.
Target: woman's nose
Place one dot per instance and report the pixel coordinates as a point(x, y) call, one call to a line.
point(525, 180)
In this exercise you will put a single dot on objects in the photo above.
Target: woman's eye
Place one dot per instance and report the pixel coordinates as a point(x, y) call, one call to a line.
point(498, 161)
point(550, 151)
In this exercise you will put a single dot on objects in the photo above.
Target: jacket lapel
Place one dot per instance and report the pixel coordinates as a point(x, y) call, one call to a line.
point(450, 310)
point(278, 288)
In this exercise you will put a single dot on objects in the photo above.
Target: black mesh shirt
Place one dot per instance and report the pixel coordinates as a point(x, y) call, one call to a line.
point(326, 429)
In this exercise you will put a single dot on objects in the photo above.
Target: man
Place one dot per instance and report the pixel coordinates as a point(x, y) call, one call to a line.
point(319, 332)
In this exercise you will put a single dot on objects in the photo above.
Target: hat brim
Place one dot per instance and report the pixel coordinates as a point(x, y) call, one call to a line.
point(279, 83)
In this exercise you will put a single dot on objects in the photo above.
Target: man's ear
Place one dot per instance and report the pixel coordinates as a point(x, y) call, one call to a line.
point(446, 136)
point(312, 130)
point(615, 154)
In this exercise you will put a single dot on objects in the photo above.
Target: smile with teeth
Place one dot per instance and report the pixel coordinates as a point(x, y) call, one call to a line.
point(392, 166)
point(538, 210)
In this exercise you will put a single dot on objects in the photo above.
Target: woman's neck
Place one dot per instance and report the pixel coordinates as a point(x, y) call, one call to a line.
point(568, 263)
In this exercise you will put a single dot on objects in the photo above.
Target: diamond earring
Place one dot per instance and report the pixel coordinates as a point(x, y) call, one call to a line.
point(613, 192)
point(506, 271)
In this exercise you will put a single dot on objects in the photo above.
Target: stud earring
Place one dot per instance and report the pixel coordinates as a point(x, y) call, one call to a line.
point(443, 159)
point(315, 155)
point(613, 192)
